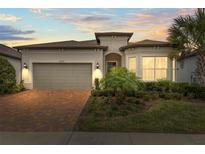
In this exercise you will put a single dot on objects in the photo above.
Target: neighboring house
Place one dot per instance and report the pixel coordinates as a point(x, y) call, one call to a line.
point(73, 64)
point(186, 67)
point(14, 57)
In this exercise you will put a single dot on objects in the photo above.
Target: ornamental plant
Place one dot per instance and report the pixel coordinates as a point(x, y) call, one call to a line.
point(7, 76)
point(120, 80)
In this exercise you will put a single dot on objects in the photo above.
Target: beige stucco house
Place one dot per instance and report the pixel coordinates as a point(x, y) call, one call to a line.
point(76, 64)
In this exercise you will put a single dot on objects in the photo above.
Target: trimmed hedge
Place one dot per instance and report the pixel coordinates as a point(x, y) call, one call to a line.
point(164, 89)
point(196, 91)
point(105, 92)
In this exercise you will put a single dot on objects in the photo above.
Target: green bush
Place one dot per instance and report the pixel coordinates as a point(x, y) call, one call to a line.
point(200, 95)
point(133, 100)
point(164, 85)
point(97, 84)
point(150, 96)
point(7, 76)
point(176, 96)
point(150, 86)
point(158, 86)
point(103, 92)
point(131, 93)
point(19, 87)
point(179, 87)
point(120, 97)
point(195, 90)
point(120, 80)
point(147, 95)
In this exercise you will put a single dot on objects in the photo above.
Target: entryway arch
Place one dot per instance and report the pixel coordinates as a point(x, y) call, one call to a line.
point(112, 60)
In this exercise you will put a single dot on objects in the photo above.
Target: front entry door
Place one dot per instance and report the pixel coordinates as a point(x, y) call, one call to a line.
point(110, 65)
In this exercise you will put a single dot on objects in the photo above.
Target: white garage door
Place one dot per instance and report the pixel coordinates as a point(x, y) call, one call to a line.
point(62, 75)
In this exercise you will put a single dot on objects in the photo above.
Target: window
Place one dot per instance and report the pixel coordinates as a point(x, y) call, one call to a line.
point(132, 64)
point(154, 68)
point(110, 65)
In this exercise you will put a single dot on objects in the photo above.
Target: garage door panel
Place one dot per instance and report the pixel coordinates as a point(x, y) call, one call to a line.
point(61, 76)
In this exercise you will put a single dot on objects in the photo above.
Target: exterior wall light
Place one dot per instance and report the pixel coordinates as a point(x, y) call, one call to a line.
point(97, 65)
point(25, 66)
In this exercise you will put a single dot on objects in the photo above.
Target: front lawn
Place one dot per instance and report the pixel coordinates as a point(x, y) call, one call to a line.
point(133, 114)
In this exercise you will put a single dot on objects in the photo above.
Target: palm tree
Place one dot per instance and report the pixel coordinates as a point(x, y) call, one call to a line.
point(187, 33)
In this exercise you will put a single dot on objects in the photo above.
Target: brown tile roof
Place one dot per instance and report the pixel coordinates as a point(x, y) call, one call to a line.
point(9, 52)
point(146, 43)
point(112, 34)
point(88, 44)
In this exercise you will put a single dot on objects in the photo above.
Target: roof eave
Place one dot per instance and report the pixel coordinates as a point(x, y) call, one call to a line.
point(71, 47)
point(11, 56)
point(144, 45)
point(98, 34)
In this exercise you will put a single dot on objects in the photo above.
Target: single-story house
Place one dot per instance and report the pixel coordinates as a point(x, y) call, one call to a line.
point(14, 57)
point(76, 64)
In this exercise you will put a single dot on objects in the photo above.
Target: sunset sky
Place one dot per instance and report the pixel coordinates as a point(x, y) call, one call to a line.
point(29, 26)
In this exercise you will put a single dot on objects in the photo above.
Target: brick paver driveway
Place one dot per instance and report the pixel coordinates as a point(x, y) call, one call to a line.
point(41, 110)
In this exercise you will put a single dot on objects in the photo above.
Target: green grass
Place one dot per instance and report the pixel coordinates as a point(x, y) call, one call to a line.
point(174, 116)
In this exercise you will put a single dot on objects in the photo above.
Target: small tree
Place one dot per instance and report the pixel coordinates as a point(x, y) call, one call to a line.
point(188, 35)
point(7, 76)
point(120, 80)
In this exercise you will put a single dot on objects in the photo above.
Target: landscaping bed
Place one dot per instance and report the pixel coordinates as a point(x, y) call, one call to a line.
point(123, 102)
point(135, 115)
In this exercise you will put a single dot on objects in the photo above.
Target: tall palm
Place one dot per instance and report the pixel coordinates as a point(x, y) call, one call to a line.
point(188, 35)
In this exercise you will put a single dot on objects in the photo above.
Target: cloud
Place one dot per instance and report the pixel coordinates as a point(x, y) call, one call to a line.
point(9, 33)
point(149, 23)
point(85, 22)
point(95, 18)
point(10, 18)
point(36, 10)
point(11, 37)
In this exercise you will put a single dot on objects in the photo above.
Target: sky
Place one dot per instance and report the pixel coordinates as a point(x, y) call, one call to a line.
point(31, 26)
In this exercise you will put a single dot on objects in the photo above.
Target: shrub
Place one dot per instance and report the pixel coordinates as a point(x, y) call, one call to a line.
point(120, 97)
point(179, 87)
point(147, 95)
point(150, 86)
point(195, 90)
point(103, 92)
point(120, 80)
point(200, 95)
point(164, 85)
point(158, 86)
point(133, 100)
point(140, 94)
point(19, 87)
point(131, 93)
point(176, 96)
point(150, 96)
point(97, 84)
point(7, 76)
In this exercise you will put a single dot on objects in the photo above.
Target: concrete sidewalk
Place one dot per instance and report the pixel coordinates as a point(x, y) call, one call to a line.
point(99, 138)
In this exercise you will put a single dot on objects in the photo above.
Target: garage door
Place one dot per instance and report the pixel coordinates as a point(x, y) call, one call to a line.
point(62, 76)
